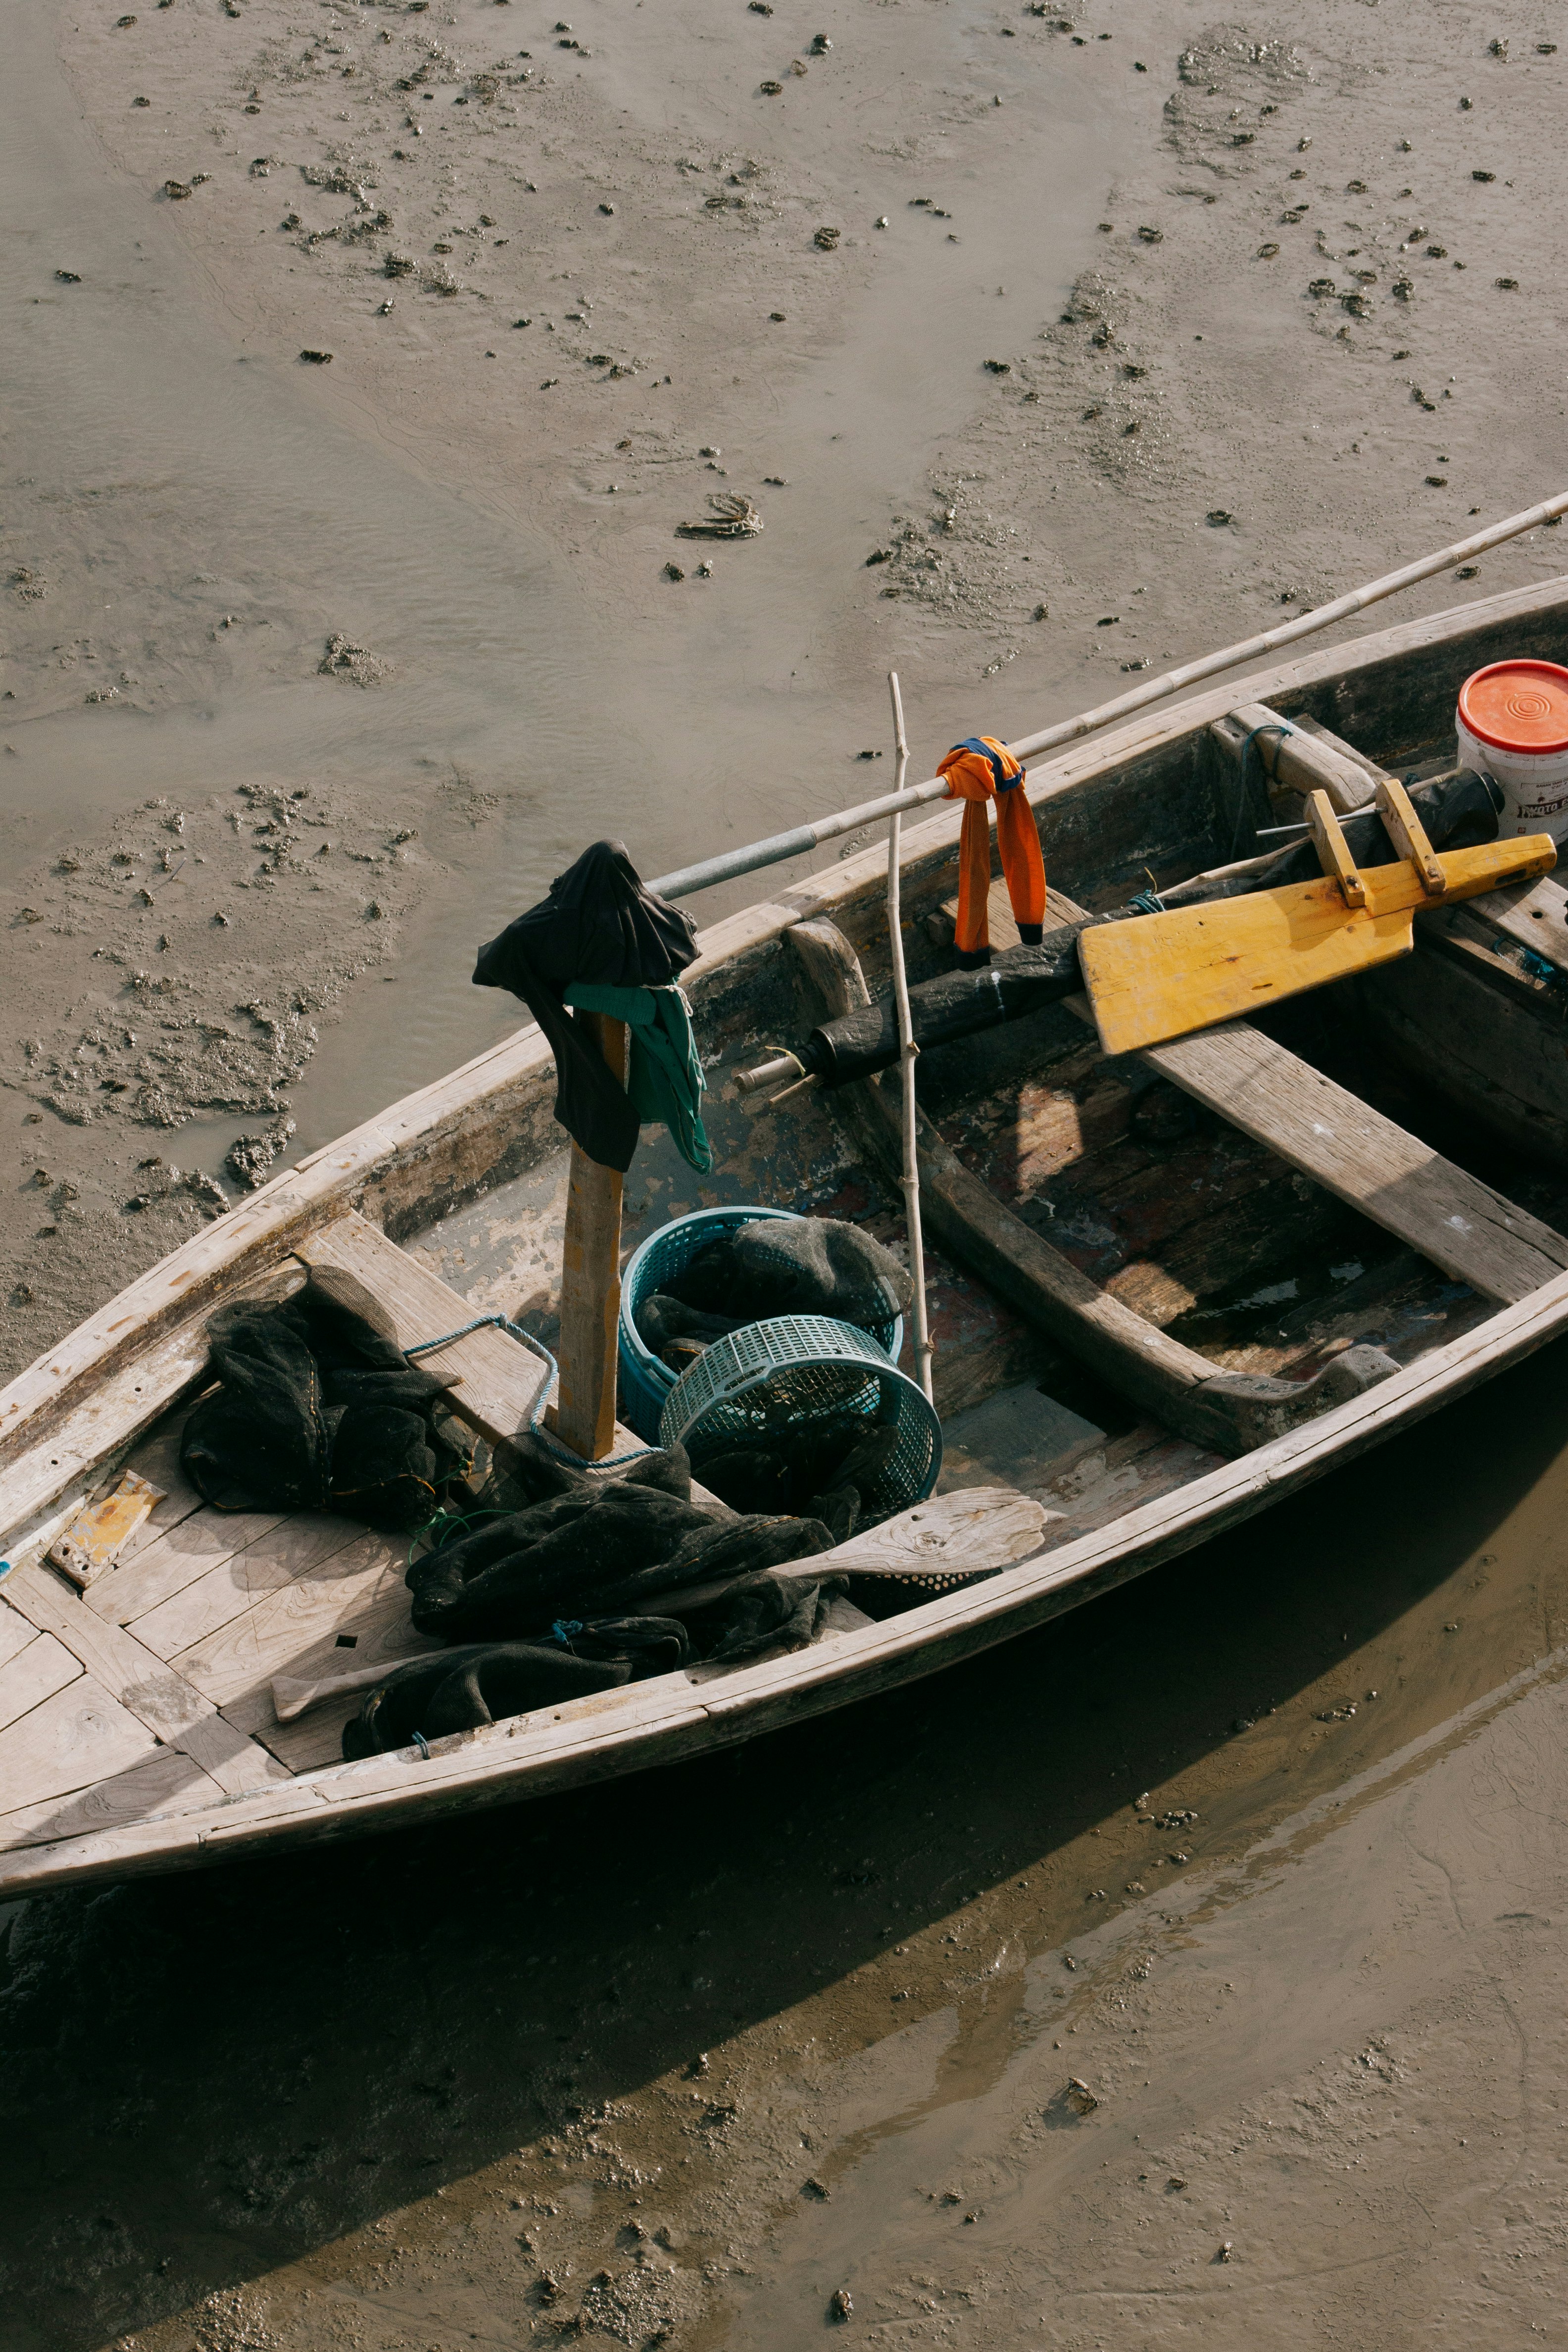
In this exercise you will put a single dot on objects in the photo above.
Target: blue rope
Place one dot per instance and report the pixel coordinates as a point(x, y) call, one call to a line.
point(423, 1745)
point(515, 1331)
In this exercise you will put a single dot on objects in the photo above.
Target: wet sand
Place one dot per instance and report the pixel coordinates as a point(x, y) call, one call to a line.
point(411, 602)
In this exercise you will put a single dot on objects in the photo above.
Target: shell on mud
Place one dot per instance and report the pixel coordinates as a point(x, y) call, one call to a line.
point(733, 517)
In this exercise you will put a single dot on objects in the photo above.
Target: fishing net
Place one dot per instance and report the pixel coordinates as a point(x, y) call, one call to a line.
point(796, 1265)
point(589, 1544)
point(317, 1409)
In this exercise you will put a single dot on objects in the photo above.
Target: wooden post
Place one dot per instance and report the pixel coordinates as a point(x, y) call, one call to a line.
point(583, 1416)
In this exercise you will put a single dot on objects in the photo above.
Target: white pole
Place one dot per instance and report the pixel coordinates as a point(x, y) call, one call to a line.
point(910, 1176)
point(804, 837)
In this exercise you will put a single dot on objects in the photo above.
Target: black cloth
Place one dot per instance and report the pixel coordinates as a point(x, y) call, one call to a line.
point(796, 1265)
point(764, 1612)
point(486, 1682)
point(595, 923)
point(731, 1549)
point(317, 1409)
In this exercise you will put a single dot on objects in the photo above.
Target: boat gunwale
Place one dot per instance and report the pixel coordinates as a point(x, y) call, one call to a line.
point(597, 1737)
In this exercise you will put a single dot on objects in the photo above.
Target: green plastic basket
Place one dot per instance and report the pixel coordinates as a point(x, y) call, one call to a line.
point(795, 1372)
point(646, 1381)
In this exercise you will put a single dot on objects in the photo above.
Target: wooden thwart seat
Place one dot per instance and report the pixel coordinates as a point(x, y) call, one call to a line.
point(498, 1381)
point(1353, 1151)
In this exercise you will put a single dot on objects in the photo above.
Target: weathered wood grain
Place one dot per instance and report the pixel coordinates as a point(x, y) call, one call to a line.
point(283, 1631)
point(39, 1669)
point(15, 1631)
point(229, 1758)
point(382, 1636)
point(1401, 1183)
point(292, 1548)
point(166, 1783)
point(200, 1541)
point(500, 1380)
point(139, 1680)
point(80, 1734)
point(961, 1534)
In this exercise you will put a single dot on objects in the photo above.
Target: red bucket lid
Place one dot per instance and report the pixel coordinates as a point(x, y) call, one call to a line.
point(1518, 705)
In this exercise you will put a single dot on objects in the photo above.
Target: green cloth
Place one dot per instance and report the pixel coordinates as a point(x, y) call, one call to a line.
point(665, 1080)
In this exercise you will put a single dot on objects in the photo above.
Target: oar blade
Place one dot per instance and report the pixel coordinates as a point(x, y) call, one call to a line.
point(1160, 976)
point(1157, 977)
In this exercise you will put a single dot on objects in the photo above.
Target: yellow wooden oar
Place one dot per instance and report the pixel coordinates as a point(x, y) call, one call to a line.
point(1156, 977)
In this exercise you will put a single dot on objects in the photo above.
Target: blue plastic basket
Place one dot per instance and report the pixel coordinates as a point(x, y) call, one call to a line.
point(797, 1371)
point(646, 1381)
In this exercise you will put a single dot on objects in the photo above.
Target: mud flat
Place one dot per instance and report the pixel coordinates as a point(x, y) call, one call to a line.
point(1222, 1916)
point(316, 668)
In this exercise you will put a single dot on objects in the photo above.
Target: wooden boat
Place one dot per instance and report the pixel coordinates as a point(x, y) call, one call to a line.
point(1166, 1292)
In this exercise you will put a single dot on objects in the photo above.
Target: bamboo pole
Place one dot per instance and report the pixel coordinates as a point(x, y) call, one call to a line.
point(583, 1415)
point(910, 1178)
point(804, 837)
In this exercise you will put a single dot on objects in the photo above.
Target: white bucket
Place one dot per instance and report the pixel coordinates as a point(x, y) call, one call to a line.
point(1512, 725)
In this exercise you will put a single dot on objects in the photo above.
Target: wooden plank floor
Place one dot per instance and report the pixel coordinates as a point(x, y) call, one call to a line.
point(156, 1682)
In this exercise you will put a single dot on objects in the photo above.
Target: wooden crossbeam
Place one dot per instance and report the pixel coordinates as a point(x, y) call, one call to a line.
point(1462, 1226)
point(500, 1380)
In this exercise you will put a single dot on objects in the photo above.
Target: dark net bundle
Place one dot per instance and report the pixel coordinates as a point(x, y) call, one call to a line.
point(827, 1473)
point(764, 1612)
point(789, 1266)
point(486, 1683)
point(758, 1611)
point(317, 1409)
point(589, 1544)
point(676, 1333)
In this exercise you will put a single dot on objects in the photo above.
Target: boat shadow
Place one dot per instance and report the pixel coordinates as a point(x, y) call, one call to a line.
point(208, 2077)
